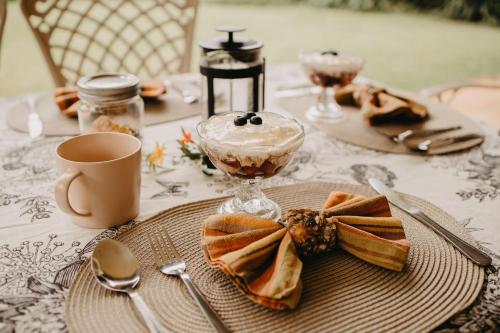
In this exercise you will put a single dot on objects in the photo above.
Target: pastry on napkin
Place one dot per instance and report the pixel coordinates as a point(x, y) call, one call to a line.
point(263, 257)
point(67, 99)
point(380, 106)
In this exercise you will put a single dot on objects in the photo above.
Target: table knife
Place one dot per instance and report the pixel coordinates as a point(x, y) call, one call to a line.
point(414, 133)
point(475, 255)
point(426, 145)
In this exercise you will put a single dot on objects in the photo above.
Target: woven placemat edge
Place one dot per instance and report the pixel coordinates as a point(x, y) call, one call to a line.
point(220, 198)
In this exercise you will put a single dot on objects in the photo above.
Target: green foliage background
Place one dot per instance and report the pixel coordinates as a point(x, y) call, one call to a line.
point(487, 11)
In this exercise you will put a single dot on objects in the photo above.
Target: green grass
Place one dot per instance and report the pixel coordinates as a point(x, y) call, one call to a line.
point(410, 51)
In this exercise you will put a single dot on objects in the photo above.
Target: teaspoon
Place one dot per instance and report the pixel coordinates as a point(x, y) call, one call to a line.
point(116, 268)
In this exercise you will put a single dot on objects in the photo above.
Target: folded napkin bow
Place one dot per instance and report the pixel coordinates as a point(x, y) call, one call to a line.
point(262, 257)
point(380, 106)
point(67, 99)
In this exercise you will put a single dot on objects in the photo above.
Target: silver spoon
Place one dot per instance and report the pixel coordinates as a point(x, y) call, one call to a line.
point(116, 268)
point(35, 125)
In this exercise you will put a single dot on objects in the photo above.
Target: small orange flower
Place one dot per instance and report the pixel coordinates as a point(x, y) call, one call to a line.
point(157, 157)
point(186, 137)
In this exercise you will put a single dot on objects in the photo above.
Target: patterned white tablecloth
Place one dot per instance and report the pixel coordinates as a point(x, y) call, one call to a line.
point(41, 250)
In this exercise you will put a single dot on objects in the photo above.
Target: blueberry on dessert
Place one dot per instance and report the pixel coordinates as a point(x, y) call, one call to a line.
point(240, 121)
point(250, 115)
point(256, 120)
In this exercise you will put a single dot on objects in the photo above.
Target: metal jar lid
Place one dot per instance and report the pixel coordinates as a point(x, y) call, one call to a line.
point(109, 86)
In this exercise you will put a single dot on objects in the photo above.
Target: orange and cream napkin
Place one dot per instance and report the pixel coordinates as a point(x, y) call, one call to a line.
point(263, 258)
point(67, 99)
point(380, 106)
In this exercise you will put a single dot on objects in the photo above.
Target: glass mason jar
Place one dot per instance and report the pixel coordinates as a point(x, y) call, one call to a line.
point(110, 103)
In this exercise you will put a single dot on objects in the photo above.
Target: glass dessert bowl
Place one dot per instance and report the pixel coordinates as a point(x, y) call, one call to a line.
point(329, 70)
point(250, 147)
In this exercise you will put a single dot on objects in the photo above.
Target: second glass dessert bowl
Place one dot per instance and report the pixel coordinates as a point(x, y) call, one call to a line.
point(250, 147)
point(329, 70)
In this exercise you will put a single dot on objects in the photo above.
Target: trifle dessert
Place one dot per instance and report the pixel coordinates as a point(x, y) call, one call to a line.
point(329, 70)
point(250, 146)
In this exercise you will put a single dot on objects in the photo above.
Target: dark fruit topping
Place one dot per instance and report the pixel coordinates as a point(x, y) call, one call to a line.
point(335, 53)
point(250, 115)
point(240, 121)
point(256, 120)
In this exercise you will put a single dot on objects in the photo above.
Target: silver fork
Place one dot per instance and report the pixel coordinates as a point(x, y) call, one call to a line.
point(169, 262)
point(400, 137)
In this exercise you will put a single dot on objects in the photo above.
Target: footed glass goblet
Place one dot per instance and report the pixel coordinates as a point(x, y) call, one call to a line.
point(250, 147)
point(329, 70)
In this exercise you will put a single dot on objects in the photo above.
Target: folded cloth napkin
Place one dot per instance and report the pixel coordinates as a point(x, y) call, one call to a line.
point(67, 99)
point(262, 257)
point(380, 106)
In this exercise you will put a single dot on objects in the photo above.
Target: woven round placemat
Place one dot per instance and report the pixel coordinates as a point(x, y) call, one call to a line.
point(341, 293)
point(55, 123)
point(357, 130)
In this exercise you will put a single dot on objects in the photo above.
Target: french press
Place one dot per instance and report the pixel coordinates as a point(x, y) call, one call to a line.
point(233, 73)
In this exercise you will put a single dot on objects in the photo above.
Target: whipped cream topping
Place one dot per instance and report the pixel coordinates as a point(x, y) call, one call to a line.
point(274, 132)
point(331, 64)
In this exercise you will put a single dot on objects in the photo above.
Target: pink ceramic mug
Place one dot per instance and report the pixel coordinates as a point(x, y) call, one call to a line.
point(100, 179)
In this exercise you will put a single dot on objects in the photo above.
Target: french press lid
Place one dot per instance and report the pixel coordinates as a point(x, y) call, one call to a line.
point(230, 42)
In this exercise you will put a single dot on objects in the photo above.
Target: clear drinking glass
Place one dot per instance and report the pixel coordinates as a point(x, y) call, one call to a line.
point(329, 70)
point(250, 152)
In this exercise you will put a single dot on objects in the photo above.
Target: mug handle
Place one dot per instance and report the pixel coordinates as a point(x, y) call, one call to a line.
point(61, 192)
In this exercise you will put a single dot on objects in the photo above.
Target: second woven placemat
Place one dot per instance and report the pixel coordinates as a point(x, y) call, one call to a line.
point(55, 123)
point(341, 293)
point(356, 130)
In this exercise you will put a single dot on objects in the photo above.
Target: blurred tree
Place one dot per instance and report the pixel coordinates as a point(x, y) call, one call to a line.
point(464, 9)
point(490, 11)
point(428, 4)
point(470, 10)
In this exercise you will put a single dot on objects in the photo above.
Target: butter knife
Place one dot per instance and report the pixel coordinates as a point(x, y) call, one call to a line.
point(475, 255)
point(426, 145)
point(400, 137)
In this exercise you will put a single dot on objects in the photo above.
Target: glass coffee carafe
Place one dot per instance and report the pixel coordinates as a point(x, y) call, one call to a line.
point(233, 73)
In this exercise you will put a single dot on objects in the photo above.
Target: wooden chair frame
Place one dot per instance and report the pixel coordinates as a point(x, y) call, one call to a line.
point(3, 17)
point(39, 22)
point(447, 95)
point(454, 88)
